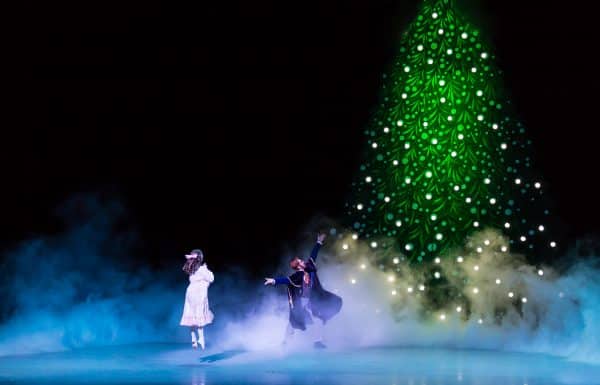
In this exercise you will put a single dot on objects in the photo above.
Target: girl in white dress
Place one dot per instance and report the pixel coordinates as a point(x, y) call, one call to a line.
point(196, 313)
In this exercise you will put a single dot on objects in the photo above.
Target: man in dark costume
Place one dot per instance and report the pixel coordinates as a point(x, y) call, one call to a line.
point(306, 296)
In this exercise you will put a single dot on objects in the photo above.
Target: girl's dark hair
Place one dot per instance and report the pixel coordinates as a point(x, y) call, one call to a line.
point(192, 264)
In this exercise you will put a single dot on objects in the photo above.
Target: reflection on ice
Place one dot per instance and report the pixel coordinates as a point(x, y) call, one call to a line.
point(176, 364)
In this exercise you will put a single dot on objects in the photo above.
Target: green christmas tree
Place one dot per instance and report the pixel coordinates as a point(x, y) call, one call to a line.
point(445, 156)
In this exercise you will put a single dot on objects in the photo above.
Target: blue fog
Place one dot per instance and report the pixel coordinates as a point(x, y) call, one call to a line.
point(80, 289)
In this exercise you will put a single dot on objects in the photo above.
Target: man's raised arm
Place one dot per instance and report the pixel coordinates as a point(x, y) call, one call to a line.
point(317, 247)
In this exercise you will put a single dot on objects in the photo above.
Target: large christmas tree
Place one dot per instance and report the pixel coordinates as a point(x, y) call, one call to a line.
point(445, 155)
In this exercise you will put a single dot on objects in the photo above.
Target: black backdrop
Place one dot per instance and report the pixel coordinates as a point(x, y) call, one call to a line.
point(228, 125)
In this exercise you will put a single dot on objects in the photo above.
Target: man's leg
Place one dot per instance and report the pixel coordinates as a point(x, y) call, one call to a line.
point(319, 329)
point(289, 333)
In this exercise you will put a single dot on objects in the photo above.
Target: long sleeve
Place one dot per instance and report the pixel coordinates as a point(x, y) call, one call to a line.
point(294, 279)
point(209, 276)
point(202, 274)
point(315, 251)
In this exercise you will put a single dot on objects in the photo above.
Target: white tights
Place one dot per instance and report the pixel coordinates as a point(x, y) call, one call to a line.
point(200, 339)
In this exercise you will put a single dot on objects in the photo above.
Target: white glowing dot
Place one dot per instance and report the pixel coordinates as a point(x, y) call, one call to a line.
point(493, 201)
point(419, 47)
point(541, 227)
point(468, 199)
point(486, 242)
point(476, 224)
point(386, 129)
point(480, 117)
point(437, 260)
point(503, 146)
point(399, 123)
point(449, 51)
point(439, 236)
point(407, 180)
point(484, 55)
point(464, 35)
point(425, 124)
point(458, 309)
point(353, 281)
point(368, 179)
point(453, 154)
point(398, 223)
point(524, 299)
point(433, 217)
point(459, 259)
point(345, 246)
point(396, 260)
point(449, 118)
point(475, 290)
point(504, 249)
point(479, 250)
point(354, 236)
point(359, 206)
point(476, 267)
point(473, 69)
point(428, 174)
point(479, 93)
point(540, 272)
point(394, 292)
point(443, 100)
point(374, 145)
point(373, 244)
point(363, 266)
point(507, 225)
point(434, 141)
point(522, 238)
point(387, 199)
point(495, 126)
point(537, 185)
point(408, 246)
point(442, 83)
point(428, 196)
point(552, 244)
point(456, 188)
point(440, 31)
point(517, 181)
point(395, 162)
point(461, 136)
point(422, 287)
point(511, 294)
point(409, 289)
point(434, 15)
point(442, 316)
point(391, 278)
point(404, 96)
point(437, 274)
point(480, 321)
point(406, 69)
point(429, 61)
point(406, 145)
point(498, 281)
point(487, 181)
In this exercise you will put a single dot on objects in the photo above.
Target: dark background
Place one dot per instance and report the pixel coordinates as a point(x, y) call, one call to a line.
point(229, 125)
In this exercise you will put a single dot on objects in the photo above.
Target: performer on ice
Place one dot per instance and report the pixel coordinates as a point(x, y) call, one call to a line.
point(306, 295)
point(196, 313)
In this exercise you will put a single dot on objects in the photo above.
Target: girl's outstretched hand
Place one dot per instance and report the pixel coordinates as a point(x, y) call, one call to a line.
point(269, 281)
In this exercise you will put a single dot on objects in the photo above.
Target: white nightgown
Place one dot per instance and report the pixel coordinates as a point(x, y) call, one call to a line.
point(196, 311)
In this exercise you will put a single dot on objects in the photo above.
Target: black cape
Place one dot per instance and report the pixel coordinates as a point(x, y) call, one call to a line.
point(322, 304)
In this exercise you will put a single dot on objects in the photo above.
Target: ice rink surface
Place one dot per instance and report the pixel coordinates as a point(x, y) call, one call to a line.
point(178, 364)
